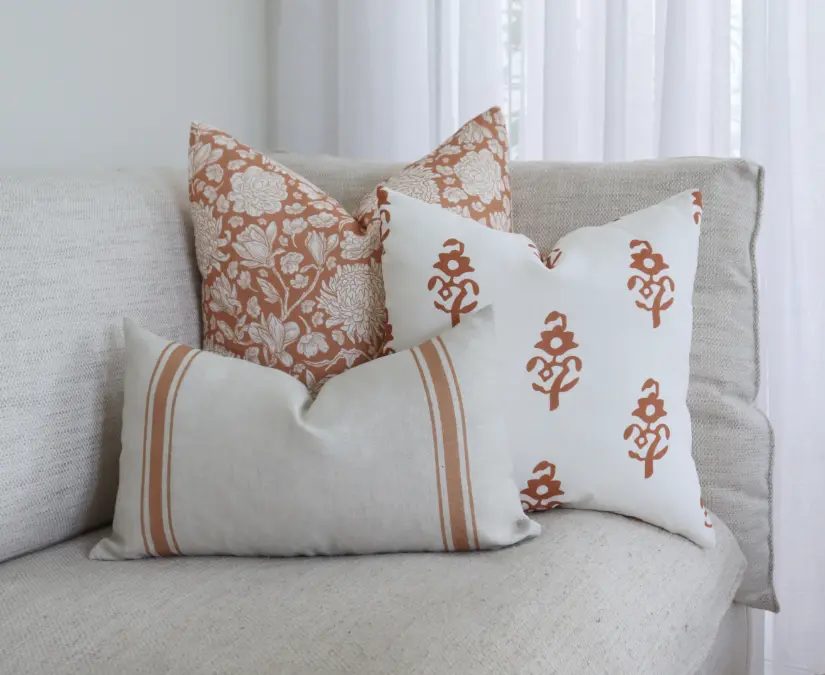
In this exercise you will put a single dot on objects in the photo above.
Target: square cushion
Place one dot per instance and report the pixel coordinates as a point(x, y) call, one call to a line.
point(594, 594)
point(595, 344)
point(221, 456)
point(290, 279)
point(732, 439)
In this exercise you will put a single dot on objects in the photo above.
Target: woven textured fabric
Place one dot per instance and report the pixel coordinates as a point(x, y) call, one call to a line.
point(77, 253)
point(595, 593)
point(732, 440)
point(221, 456)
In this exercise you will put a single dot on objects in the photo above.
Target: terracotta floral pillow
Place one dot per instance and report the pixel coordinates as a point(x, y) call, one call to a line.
point(466, 174)
point(290, 279)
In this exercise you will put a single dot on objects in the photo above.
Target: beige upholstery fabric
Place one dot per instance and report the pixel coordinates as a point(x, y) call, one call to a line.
point(77, 253)
point(569, 601)
point(729, 655)
point(732, 441)
point(222, 456)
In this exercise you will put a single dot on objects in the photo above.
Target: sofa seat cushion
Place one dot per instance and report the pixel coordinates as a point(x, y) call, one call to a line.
point(595, 593)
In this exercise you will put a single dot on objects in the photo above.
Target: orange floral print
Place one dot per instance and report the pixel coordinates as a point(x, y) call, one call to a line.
point(697, 202)
point(466, 174)
point(649, 435)
point(288, 280)
point(555, 372)
point(655, 290)
point(383, 201)
point(552, 258)
point(453, 290)
point(541, 489)
point(707, 515)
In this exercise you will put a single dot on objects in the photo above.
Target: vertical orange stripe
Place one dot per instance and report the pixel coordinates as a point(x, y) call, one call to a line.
point(169, 454)
point(464, 431)
point(145, 439)
point(449, 434)
point(170, 368)
point(435, 450)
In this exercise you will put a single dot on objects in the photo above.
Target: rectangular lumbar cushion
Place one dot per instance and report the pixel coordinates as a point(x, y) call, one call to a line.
point(595, 340)
point(221, 456)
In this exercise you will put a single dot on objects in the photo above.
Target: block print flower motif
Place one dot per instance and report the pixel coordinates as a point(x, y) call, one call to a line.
point(704, 508)
point(654, 290)
point(556, 369)
point(648, 434)
point(542, 489)
point(697, 203)
point(453, 285)
point(552, 258)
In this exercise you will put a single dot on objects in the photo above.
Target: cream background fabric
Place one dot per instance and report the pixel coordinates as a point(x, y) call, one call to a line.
point(732, 440)
point(567, 601)
point(221, 456)
point(592, 376)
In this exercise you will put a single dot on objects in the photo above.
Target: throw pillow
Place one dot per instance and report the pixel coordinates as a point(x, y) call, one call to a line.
point(596, 339)
point(402, 454)
point(466, 174)
point(290, 279)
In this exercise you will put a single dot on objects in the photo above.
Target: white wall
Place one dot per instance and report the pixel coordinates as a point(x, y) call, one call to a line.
point(115, 83)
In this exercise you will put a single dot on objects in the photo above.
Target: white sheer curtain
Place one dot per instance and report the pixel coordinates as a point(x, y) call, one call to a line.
point(608, 80)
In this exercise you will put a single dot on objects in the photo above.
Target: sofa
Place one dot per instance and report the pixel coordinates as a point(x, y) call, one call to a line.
point(595, 593)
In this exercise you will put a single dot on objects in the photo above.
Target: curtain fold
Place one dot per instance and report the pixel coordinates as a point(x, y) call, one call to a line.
point(783, 73)
point(612, 80)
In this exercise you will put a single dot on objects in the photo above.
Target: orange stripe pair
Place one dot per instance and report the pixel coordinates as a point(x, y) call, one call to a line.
point(159, 536)
point(449, 446)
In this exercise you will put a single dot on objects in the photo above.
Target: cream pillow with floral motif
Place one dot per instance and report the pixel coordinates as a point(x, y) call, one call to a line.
point(596, 340)
point(293, 281)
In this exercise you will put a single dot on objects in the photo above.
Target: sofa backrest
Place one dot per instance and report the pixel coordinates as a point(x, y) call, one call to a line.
point(732, 440)
point(80, 252)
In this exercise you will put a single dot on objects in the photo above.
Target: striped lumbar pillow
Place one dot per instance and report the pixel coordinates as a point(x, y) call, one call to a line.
point(221, 456)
